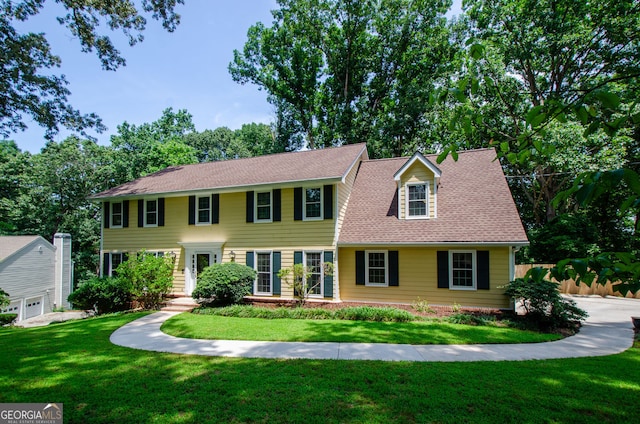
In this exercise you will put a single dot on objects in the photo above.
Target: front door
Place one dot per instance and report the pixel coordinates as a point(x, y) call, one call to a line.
point(198, 260)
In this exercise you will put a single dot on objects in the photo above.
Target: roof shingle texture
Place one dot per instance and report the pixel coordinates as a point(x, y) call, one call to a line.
point(319, 164)
point(473, 200)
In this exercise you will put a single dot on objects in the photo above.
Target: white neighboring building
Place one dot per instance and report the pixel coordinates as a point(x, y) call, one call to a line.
point(36, 274)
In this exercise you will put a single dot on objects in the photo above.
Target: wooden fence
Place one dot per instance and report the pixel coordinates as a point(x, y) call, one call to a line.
point(570, 286)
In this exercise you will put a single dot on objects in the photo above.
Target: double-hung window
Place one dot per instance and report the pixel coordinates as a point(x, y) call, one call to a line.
point(313, 203)
point(314, 273)
point(116, 215)
point(417, 203)
point(151, 213)
point(376, 271)
point(263, 206)
point(463, 270)
point(204, 210)
point(263, 267)
point(116, 259)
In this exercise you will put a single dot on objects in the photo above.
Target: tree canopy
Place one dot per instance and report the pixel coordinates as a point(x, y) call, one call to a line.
point(29, 85)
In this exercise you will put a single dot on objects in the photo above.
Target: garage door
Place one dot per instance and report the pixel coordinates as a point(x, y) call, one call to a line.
point(13, 308)
point(33, 307)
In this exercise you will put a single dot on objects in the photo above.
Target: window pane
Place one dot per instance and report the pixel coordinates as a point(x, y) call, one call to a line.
point(264, 205)
point(312, 203)
point(152, 212)
point(116, 214)
point(377, 268)
point(462, 269)
point(203, 202)
point(418, 200)
point(313, 210)
point(264, 198)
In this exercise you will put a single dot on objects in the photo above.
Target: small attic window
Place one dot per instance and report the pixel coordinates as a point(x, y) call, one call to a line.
point(417, 200)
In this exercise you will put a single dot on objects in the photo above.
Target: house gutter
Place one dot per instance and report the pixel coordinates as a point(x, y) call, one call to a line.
point(515, 244)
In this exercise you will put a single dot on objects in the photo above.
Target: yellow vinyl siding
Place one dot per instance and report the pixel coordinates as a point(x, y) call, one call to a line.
point(417, 173)
point(233, 231)
point(418, 277)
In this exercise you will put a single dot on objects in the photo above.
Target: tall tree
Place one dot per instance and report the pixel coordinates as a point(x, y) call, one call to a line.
point(346, 71)
point(28, 82)
point(150, 147)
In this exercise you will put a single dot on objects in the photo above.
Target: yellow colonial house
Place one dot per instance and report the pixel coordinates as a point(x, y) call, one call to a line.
point(395, 229)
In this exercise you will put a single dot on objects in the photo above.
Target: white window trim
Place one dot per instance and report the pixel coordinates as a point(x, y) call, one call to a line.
point(198, 210)
point(321, 295)
point(255, 206)
point(304, 204)
point(386, 268)
point(426, 200)
point(111, 215)
point(145, 213)
point(474, 270)
point(255, 266)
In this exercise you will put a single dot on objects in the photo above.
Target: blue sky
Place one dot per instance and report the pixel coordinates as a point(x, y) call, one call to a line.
point(186, 69)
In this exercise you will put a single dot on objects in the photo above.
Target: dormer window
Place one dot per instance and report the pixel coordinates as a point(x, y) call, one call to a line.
point(417, 182)
point(417, 200)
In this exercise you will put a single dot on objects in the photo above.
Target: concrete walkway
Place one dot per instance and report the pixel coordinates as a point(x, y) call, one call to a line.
point(607, 331)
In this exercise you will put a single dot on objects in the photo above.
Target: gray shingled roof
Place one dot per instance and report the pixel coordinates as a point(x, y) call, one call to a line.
point(474, 205)
point(322, 164)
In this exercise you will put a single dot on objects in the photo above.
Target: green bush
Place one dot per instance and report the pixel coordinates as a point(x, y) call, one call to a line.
point(7, 318)
point(361, 313)
point(470, 319)
point(103, 295)
point(150, 277)
point(224, 284)
point(4, 299)
point(368, 313)
point(544, 307)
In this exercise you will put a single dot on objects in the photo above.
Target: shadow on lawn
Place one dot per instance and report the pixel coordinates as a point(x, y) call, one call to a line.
point(74, 363)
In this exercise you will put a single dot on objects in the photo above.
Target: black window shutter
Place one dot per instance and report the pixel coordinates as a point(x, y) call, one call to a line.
point(328, 202)
point(249, 206)
point(106, 213)
point(161, 212)
point(249, 262)
point(277, 207)
point(297, 259)
point(125, 213)
point(443, 269)
point(140, 213)
point(360, 268)
point(328, 279)
point(105, 265)
point(192, 210)
point(482, 276)
point(215, 208)
point(125, 257)
point(276, 289)
point(394, 272)
point(297, 204)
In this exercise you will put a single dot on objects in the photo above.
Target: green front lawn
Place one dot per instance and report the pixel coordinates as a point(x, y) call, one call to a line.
point(74, 363)
point(304, 330)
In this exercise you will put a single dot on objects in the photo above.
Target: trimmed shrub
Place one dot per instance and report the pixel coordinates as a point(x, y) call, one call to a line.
point(6, 319)
point(4, 299)
point(368, 313)
point(364, 313)
point(103, 295)
point(545, 309)
point(224, 284)
point(150, 278)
